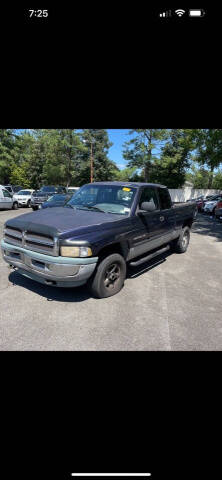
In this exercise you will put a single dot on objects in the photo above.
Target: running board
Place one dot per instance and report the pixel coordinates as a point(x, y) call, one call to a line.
point(149, 257)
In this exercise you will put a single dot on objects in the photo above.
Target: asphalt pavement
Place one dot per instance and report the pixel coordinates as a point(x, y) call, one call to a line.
point(172, 303)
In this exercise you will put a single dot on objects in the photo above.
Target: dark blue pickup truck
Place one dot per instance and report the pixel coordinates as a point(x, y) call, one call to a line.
point(91, 239)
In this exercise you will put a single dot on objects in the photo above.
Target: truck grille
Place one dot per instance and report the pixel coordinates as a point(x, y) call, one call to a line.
point(31, 241)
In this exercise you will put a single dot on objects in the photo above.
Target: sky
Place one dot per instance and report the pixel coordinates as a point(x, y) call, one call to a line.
point(118, 137)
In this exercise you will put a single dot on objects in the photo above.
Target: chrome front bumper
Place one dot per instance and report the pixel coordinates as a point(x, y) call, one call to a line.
point(47, 269)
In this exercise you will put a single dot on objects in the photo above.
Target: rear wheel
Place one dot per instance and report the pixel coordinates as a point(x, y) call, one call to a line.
point(109, 276)
point(34, 208)
point(15, 206)
point(29, 203)
point(180, 245)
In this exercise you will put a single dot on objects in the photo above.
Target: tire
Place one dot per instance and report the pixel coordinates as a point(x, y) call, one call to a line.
point(34, 208)
point(15, 206)
point(180, 245)
point(109, 276)
point(29, 203)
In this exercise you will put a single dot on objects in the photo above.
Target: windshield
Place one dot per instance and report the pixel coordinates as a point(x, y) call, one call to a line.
point(48, 189)
point(24, 192)
point(105, 198)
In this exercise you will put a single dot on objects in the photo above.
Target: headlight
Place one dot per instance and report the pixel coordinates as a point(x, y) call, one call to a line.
point(76, 252)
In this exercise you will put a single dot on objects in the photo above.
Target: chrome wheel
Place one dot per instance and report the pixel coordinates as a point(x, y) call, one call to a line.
point(185, 240)
point(112, 276)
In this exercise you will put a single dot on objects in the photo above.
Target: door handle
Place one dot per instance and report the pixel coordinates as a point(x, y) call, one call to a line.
point(162, 219)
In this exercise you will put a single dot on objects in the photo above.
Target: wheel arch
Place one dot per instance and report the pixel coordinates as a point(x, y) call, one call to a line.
point(118, 247)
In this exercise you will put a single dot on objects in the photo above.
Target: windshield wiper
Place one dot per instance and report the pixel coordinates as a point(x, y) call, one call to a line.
point(69, 205)
point(93, 208)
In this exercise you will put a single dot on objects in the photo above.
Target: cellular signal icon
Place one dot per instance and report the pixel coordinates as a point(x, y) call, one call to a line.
point(165, 14)
point(180, 12)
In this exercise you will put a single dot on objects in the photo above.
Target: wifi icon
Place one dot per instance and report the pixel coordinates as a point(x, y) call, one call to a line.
point(180, 12)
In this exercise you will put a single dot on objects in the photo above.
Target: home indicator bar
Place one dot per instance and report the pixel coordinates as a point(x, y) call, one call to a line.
point(111, 474)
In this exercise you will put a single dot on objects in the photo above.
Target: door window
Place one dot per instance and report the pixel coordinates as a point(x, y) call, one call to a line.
point(165, 199)
point(149, 195)
point(6, 194)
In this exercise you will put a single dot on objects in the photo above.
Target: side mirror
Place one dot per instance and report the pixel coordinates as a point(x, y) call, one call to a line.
point(147, 207)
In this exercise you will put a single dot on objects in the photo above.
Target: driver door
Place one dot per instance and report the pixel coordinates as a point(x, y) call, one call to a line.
point(148, 224)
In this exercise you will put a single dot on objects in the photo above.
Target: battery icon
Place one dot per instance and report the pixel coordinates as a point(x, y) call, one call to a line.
point(196, 13)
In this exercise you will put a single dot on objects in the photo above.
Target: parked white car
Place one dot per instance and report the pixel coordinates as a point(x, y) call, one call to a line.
point(6, 199)
point(23, 197)
point(210, 206)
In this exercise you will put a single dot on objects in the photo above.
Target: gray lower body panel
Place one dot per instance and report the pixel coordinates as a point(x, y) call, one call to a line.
point(46, 270)
point(150, 245)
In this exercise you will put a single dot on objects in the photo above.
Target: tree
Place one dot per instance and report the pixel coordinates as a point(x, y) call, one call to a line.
point(26, 166)
point(46, 156)
point(170, 168)
point(209, 149)
point(7, 147)
point(198, 176)
point(63, 149)
point(138, 150)
point(217, 181)
point(125, 175)
point(97, 146)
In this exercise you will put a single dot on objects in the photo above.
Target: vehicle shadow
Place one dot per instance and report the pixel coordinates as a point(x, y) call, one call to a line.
point(77, 294)
point(205, 225)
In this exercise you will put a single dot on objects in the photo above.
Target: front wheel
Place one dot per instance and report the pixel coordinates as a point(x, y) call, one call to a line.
point(180, 245)
point(34, 208)
point(29, 203)
point(109, 276)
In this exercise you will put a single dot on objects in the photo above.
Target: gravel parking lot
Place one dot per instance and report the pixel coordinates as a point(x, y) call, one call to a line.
point(174, 303)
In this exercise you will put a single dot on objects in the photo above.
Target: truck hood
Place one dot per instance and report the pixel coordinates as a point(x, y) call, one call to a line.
point(63, 221)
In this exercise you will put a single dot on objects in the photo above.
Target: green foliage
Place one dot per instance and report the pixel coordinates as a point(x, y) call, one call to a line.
point(170, 169)
point(198, 176)
point(125, 175)
point(63, 156)
point(138, 150)
point(7, 151)
point(97, 142)
point(19, 175)
point(217, 180)
point(37, 157)
point(209, 149)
